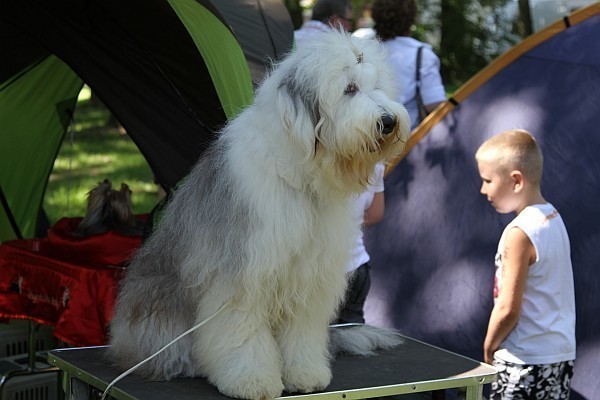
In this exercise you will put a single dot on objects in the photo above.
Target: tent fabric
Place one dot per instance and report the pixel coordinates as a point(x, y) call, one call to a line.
point(263, 28)
point(433, 255)
point(172, 72)
point(140, 60)
point(206, 36)
point(26, 164)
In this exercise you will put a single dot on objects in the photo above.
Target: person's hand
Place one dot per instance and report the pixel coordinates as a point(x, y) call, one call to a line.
point(488, 356)
point(488, 350)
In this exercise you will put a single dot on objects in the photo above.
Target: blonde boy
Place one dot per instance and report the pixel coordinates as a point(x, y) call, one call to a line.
point(531, 331)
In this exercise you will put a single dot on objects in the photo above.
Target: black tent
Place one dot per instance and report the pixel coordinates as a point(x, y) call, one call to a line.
point(172, 72)
point(433, 253)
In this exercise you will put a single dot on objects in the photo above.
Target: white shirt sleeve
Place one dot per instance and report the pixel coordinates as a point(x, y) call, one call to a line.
point(432, 89)
point(376, 182)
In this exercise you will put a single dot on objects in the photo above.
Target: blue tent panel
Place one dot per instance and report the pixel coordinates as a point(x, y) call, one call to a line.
point(433, 253)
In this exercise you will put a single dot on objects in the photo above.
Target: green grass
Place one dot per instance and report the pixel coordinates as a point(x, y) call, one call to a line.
point(98, 151)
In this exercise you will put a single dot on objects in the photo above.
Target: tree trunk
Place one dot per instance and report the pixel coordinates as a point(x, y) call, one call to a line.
point(524, 27)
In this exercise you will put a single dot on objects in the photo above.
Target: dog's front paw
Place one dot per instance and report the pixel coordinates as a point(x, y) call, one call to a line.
point(306, 380)
point(253, 387)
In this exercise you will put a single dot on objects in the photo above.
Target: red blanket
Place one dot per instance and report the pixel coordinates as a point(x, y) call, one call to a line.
point(63, 281)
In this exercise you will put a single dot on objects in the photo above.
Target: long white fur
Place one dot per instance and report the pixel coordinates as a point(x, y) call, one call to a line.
point(362, 339)
point(263, 224)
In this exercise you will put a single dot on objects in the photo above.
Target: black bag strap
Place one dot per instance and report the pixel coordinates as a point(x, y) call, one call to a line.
point(422, 110)
point(419, 56)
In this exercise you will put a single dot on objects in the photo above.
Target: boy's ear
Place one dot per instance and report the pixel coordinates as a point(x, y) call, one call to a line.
point(517, 178)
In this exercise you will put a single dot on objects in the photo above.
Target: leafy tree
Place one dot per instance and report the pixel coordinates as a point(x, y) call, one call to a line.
point(471, 34)
point(295, 11)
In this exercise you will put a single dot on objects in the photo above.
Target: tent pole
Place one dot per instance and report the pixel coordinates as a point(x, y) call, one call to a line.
point(9, 214)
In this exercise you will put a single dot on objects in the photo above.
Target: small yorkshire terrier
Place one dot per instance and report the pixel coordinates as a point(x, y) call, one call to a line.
point(107, 209)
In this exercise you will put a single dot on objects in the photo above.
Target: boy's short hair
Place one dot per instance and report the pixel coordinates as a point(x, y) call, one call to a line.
point(515, 149)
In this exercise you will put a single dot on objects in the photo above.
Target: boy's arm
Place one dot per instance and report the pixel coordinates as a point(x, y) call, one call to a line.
point(375, 212)
point(518, 255)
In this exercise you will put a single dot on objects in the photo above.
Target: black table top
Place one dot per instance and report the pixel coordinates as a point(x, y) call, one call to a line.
point(413, 366)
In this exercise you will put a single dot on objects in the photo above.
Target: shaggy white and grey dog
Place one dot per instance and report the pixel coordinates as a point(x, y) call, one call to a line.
point(263, 226)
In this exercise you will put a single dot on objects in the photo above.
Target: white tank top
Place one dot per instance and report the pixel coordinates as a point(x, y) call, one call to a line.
point(545, 331)
point(361, 202)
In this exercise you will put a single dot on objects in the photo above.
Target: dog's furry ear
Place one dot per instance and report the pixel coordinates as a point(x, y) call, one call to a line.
point(97, 196)
point(298, 107)
point(121, 207)
point(288, 104)
point(93, 222)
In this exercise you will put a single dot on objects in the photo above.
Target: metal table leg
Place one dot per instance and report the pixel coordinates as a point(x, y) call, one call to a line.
point(474, 392)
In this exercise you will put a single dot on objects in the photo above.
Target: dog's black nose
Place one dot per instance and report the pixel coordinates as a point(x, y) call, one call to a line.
point(388, 124)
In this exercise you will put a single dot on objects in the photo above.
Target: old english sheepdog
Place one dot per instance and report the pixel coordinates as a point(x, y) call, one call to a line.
point(258, 235)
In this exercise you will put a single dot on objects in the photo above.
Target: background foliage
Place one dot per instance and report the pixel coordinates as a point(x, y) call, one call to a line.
point(466, 34)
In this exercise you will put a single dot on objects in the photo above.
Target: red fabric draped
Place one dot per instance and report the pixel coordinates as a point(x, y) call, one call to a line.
point(63, 281)
point(108, 248)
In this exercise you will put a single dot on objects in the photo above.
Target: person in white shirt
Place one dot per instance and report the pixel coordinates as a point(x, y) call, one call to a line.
point(369, 209)
point(393, 22)
point(531, 331)
point(325, 15)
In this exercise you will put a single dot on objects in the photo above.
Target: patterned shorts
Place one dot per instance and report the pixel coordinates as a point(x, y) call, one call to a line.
point(532, 382)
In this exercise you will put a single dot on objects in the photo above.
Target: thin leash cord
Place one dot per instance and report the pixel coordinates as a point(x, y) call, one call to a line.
point(130, 370)
point(70, 165)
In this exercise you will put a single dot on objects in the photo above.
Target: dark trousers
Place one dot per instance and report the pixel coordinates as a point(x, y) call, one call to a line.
point(352, 309)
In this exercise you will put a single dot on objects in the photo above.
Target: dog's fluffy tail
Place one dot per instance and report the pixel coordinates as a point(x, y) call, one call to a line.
point(360, 339)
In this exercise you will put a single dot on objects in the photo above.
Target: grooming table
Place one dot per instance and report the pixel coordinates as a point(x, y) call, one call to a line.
point(412, 367)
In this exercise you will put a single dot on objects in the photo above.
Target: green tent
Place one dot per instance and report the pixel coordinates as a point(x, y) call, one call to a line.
point(171, 71)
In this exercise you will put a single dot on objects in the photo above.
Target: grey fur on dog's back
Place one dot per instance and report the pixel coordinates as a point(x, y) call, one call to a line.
point(361, 340)
point(158, 294)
